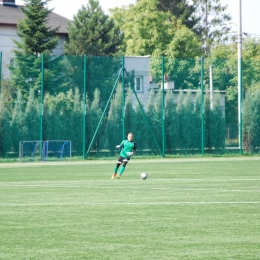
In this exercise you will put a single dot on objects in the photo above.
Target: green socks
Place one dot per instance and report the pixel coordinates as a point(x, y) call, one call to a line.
point(122, 169)
point(115, 169)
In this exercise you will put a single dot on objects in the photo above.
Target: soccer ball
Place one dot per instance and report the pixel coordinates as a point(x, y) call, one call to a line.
point(144, 176)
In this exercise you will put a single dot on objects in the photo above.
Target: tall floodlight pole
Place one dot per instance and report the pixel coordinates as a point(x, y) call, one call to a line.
point(239, 77)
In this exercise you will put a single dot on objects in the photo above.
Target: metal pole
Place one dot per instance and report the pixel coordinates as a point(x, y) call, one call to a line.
point(42, 95)
point(211, 87)
point(85, 107)
point(123, 97)
point(202, 105)
point(163, 112)
point(240, 80)
point(1, 54)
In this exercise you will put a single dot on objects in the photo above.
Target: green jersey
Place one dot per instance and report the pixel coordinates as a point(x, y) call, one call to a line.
point(127, 147)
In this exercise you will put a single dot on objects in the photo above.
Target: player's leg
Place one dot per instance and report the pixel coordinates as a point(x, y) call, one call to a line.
point(124, 163)
point(119, 161)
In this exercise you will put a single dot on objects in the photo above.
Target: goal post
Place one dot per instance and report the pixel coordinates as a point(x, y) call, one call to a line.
point(52, 150)
point(29, 151)
point(56, 149)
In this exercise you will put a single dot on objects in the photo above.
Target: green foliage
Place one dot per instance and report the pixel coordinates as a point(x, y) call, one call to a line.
point(147, 30)
point(181, 9)
point(5, 129)
point(153, 115)
point(36, 39)
point(18, 124)
point(130, 114)
point(36, 36)
point(224, 63)
point(76, 123)
point(213, 26)
point(171, 123)
point(251, 121)
point(140, 129)
point(95, 116)
point(214, 125)
point(32, 116)
point(102, 73)
point(114, 120)
point(92, 32)
point(184, 45)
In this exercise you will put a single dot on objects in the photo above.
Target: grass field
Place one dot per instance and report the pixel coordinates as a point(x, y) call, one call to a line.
point(187, 209)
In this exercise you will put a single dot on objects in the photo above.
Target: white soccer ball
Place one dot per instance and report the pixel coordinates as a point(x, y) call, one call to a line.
point(144, 176)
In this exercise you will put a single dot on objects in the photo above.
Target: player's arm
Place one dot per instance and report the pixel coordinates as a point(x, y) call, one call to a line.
point(120, 145)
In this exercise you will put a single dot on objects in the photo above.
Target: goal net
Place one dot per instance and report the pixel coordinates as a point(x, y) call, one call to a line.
point(29, 151)
point(49, 150)
point(56, 149)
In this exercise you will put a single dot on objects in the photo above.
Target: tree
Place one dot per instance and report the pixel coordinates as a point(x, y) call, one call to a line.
point(146, 28)
point(181, 9)
point(213, 25)
point(18, 126)
point(32, 118)
point(76, 123)
point(251, 123)
point(36, 39)
point(171, 123)
point(5, 130)
point(95, 116)
point(93, 32)
point(149, 30)
point(223, 59)
point(114, 119)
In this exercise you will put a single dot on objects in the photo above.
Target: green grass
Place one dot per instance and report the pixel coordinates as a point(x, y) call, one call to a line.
point(202, 208)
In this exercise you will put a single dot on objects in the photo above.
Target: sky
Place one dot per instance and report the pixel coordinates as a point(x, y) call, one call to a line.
point(250, 11)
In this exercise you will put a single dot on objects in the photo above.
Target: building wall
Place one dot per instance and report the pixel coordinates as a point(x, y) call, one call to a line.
point(141, 68)
point(7, 34)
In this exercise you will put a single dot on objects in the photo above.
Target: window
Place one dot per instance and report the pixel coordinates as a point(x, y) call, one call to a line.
point(12, 62)
point(139, 84)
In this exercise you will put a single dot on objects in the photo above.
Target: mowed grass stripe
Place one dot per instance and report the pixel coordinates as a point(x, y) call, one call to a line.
point(131, 203)
point(187, 209)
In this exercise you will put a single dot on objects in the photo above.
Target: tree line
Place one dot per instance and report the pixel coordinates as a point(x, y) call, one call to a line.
point(180, 30)
point(63, 120)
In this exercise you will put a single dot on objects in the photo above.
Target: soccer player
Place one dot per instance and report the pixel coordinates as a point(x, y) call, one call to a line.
point(128, 148)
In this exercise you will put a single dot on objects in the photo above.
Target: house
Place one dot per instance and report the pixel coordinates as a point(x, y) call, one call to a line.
point(10, 15)
point(143, 84)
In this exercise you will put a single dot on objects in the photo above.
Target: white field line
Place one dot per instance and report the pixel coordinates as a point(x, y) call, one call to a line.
point(130, 203)
point(136, 160)
point(129, 181)
point(128, 188)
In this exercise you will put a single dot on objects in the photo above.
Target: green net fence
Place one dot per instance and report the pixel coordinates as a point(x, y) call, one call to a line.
point(172, 106)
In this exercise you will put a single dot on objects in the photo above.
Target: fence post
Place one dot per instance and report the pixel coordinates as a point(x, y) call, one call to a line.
point(42, 94)
point(85, 107)
point(202, 105)
point(1, 54)
point(163, 112)
point(123, 97)
point(240, 105)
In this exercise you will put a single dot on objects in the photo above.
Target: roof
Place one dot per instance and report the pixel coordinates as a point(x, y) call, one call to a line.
point(12, 14)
